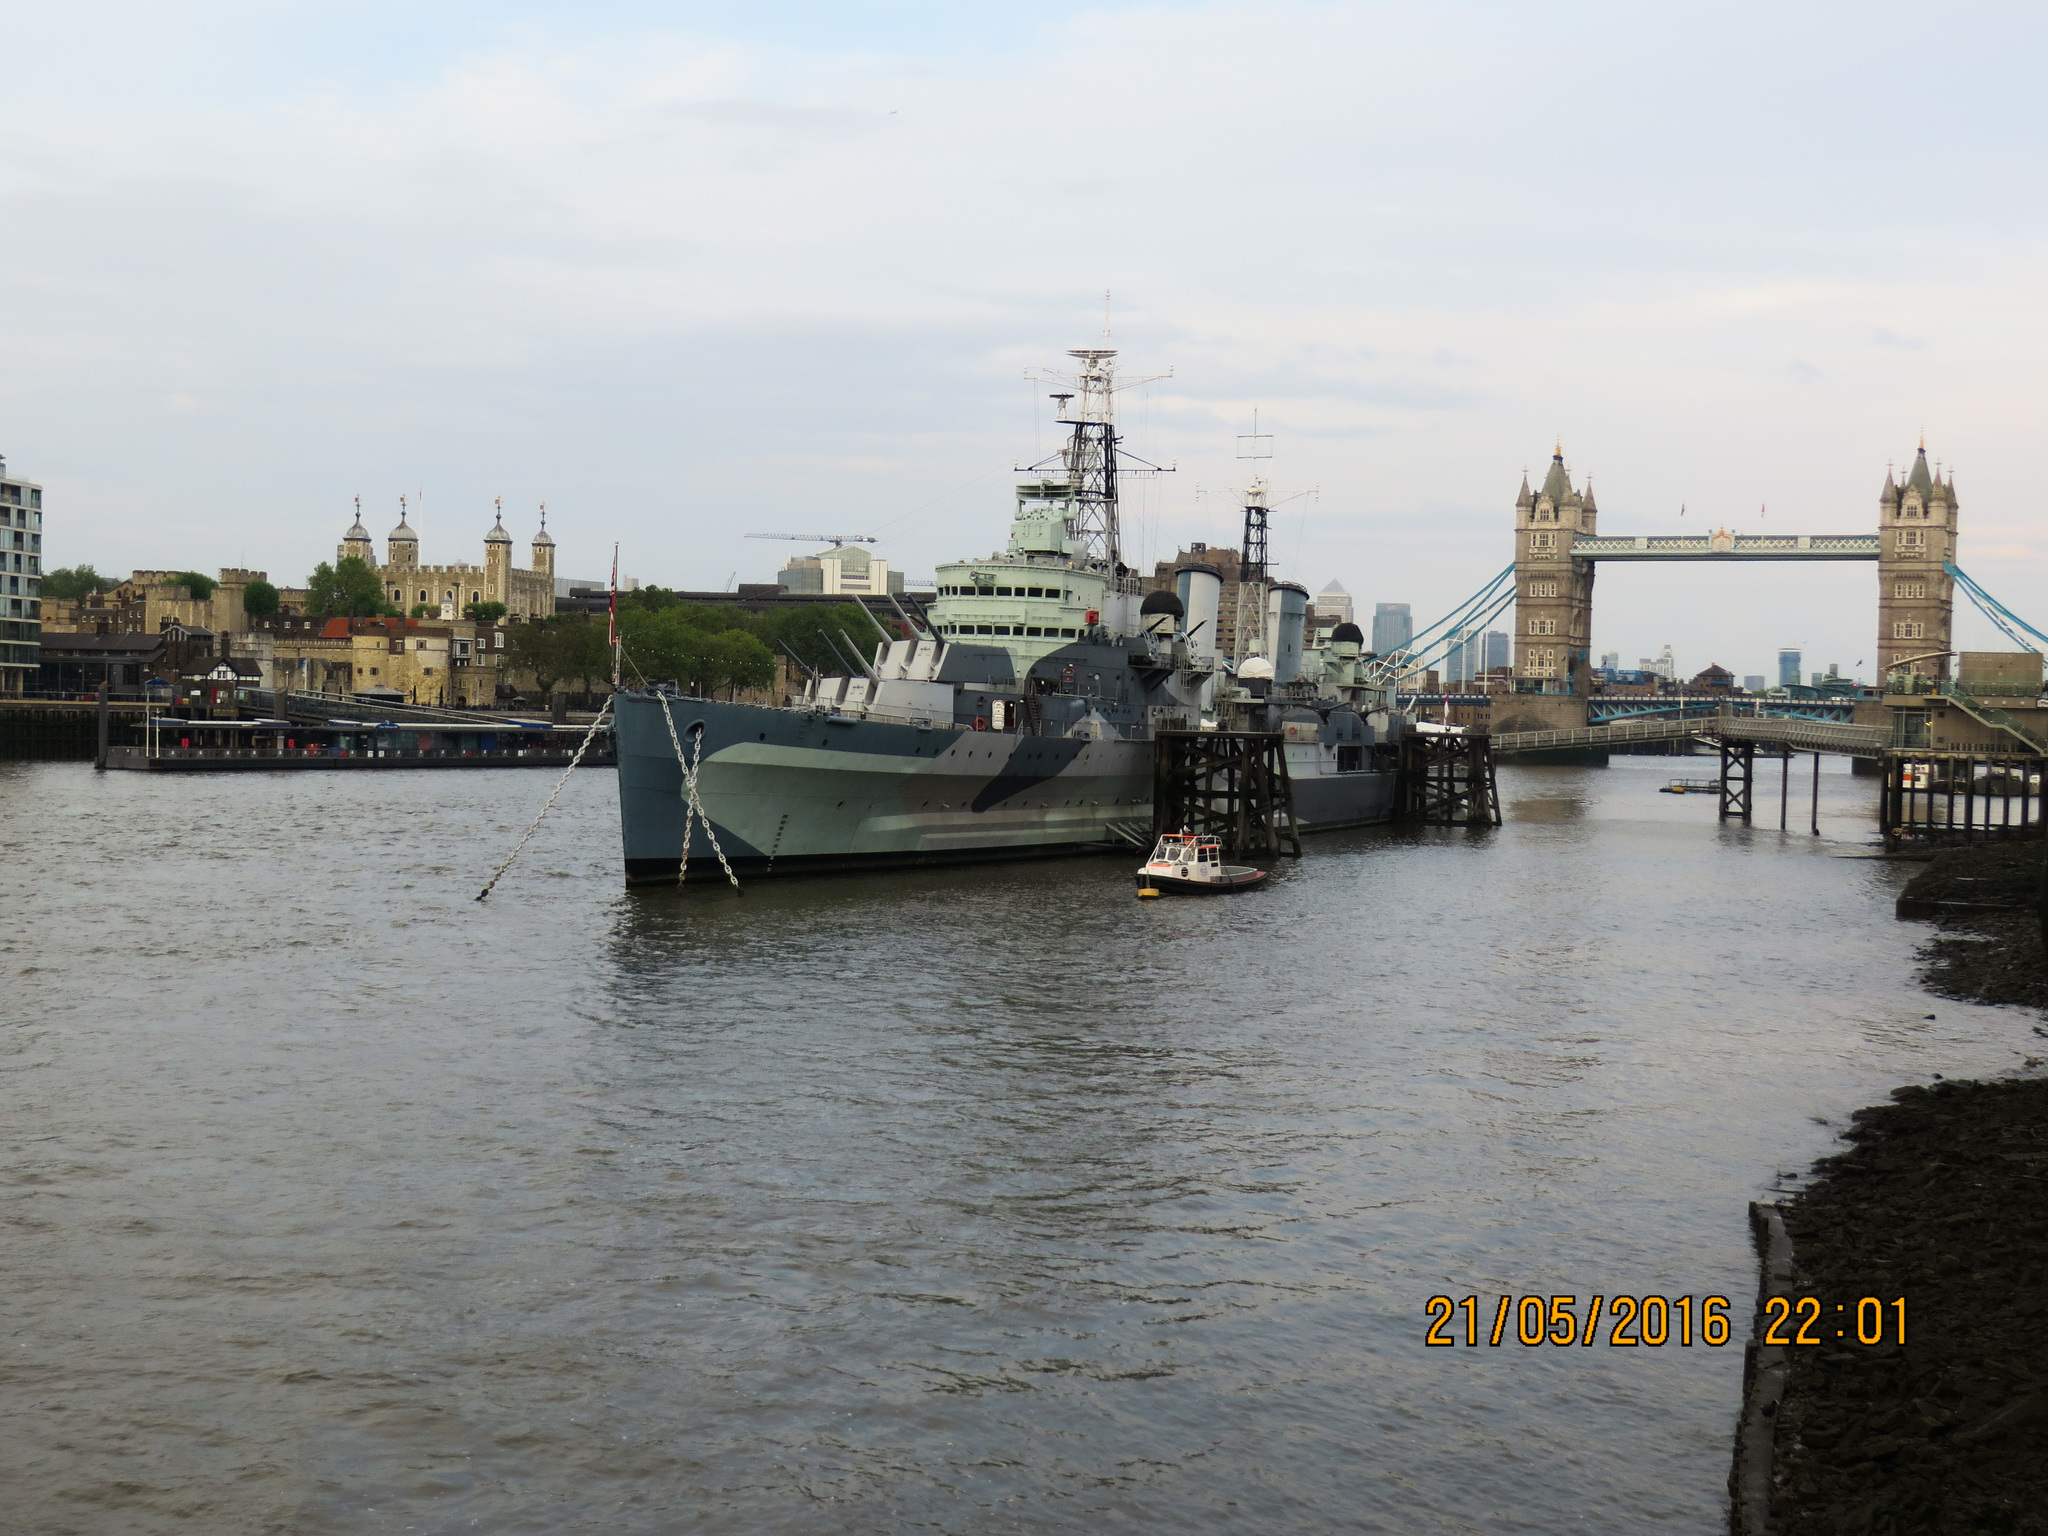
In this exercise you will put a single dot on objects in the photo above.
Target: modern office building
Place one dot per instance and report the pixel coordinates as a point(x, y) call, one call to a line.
point(1392, 626)
point(1462, 661)
point(21, 589)
point(1610, 661)
point(1788, 668)
point(1753, 682)
point(843, 568)
point(1500, 650)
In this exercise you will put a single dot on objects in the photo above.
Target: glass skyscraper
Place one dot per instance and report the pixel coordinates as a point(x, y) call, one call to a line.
point(1392, 628)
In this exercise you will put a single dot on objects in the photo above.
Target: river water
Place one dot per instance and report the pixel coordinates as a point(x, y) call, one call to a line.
point(975, 1201)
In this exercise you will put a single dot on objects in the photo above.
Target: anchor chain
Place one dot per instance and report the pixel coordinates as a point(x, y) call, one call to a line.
point(588, 737)
point(693, 808)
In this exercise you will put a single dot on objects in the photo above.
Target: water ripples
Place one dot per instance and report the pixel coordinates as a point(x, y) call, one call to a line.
point(982, 1200)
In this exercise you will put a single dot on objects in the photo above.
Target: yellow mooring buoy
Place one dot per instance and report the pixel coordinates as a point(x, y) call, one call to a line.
point(1146, 890)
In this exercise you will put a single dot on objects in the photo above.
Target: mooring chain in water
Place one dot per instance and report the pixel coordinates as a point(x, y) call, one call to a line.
point(693, 808)
point(588, 737)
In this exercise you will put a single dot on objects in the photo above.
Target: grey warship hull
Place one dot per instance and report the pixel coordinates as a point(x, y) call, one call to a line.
point(794, 791)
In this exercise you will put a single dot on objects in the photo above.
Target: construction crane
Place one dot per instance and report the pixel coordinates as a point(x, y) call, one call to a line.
point(834, 539)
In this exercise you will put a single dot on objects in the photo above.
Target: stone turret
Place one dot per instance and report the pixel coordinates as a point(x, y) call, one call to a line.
point(1916, 526)
point(498, 563)
point(402, 545)
point(356, 543)
point(544, 549)
point(1553, 604)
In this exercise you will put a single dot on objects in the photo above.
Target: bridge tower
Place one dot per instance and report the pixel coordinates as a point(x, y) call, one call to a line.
point(1916, 531)
point(1553, 605)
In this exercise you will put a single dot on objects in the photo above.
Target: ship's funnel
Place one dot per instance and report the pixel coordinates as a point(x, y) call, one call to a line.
point(1200, 588)
point(1287, 623)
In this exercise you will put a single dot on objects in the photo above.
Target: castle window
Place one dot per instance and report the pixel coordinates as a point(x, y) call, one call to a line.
point(1906, 629)
point(1910, 589)
point(1912, 538)
point(1543, 541)
point(1543, 589)
point(1543, 626)
point(476, 597)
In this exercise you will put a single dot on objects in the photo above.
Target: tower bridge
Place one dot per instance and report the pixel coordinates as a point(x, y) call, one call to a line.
point(1558, 547)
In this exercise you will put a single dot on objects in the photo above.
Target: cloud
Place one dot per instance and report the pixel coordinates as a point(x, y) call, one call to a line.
point(683, 280)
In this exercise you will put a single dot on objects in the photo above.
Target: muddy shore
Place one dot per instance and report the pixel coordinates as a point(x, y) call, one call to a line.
point(1941, 1198)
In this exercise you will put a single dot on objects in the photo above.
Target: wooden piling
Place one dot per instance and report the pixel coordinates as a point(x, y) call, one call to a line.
point(1230, 785)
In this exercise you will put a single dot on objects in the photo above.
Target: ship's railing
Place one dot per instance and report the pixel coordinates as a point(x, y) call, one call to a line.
point(501, 754)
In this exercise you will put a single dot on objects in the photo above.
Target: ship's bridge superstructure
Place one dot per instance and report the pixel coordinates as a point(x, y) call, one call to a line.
point(1034, 597)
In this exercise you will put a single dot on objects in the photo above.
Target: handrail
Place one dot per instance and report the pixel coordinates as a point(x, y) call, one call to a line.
point(1994, 717)
point(1855, 740)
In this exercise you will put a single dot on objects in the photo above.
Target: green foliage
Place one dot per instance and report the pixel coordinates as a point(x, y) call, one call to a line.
point(537, 649)
point(779, 629)
point(76, 583)
point(424, 611)
point(201, 587)
point(346, 589)
point(700, 649)
point(259, 599)
point(586, 648)
point(555, 650)
point(485, 613)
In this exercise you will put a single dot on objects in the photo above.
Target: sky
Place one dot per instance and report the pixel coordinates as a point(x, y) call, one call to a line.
point(685, 272)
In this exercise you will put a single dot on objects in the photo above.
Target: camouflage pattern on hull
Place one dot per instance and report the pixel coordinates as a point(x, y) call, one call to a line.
point(791, 790)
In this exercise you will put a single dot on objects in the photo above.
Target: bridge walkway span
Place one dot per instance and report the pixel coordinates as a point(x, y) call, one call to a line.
point(1800, 735)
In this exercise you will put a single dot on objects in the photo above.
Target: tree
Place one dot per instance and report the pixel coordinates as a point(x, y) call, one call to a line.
point(676, 644)
point(346, 589)
point(259, 599)
point(425, 611)
point(796, 629)
point(201, 587)
point(586, 649)
point(76, 583)
point(485, 613)
point(536, 648)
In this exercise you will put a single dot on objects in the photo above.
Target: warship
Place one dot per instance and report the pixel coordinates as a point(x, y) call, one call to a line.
point(1015, 716)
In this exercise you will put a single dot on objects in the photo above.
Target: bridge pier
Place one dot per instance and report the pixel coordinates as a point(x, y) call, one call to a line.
point(1738, 778)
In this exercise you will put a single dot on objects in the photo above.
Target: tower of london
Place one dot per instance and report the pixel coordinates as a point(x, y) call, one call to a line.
point(526, 594)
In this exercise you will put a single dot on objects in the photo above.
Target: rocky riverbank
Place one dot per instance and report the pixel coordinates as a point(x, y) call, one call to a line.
point(1942, 1199)
point(1986, 901)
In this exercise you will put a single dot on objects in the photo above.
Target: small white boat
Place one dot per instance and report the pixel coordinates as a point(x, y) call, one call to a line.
point(1194, 865)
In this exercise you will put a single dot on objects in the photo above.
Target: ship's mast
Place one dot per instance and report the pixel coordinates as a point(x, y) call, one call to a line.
point(1087, 406)
point(1091, 455)
point(1252, 558)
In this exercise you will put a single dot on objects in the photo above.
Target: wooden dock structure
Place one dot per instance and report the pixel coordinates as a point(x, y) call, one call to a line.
point(1230, 785)
point(1447, 779)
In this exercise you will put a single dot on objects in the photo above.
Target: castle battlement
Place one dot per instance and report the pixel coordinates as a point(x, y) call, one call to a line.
point(528, 594)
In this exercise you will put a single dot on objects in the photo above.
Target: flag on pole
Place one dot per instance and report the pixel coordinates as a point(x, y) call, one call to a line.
point(613, 622)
